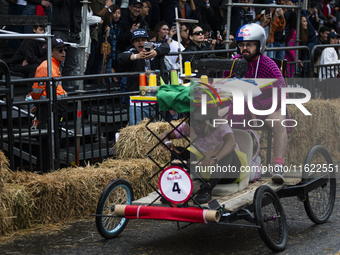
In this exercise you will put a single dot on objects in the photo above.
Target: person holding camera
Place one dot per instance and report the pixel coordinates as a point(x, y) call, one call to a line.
point(141, 57)
point(272, 20)
point(240, 16)
point(280, 37)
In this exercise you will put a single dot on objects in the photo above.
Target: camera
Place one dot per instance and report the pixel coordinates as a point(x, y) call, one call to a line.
point(173, 26)
point(248, 18)
point(147, 46)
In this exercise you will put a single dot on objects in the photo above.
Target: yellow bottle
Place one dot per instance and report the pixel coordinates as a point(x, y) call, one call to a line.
point(187, 68)
point(204, 79)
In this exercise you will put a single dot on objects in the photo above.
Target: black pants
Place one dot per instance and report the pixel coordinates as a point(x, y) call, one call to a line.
point(44, 150)
point(231, 160)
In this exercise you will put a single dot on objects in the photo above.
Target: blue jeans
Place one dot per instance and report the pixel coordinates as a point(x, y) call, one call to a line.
point(281, 53)
point(269, 54)
point(123, 88)
point(133, 120)
point(108, 67)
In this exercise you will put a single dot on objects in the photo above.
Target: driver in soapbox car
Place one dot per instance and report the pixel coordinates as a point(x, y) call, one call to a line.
point(214, 147)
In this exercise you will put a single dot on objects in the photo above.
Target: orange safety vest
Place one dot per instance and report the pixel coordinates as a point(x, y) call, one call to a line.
point(39, 88)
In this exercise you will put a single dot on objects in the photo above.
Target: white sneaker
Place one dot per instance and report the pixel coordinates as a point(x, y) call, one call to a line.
point(277, 175)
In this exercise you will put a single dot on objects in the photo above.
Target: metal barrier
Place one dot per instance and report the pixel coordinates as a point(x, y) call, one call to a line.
point(90, 140)
point(102, 114)
point(6, 92)
point(219, 54)
point(325, 79)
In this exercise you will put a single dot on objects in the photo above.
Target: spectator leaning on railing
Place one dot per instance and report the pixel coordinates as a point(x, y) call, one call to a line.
point(329, 56)
point(321, 39)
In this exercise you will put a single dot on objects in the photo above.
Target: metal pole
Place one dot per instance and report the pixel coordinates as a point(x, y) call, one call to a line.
point(297, 41)
point(178, 31)
point(52, 90)
point(81, 82)
point(178, 34)
point(230, 3)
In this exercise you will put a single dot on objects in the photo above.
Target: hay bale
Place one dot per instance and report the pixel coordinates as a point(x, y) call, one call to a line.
point(3, 170)
point(72, 193)
point(323, 128)
point(136, 141)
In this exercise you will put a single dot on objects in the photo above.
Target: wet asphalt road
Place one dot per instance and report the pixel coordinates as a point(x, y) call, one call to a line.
point(159, 237)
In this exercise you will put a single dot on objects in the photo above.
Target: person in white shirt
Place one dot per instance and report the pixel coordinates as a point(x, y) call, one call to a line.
point(329, 56)
point(92, 22)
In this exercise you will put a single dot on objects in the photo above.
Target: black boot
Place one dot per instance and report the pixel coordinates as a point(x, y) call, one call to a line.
point(204, 194)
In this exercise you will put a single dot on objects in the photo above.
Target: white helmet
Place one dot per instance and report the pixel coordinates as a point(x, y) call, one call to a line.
point(252, 32)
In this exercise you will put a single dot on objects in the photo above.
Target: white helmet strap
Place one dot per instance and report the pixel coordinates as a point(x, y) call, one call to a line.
point(257, 66)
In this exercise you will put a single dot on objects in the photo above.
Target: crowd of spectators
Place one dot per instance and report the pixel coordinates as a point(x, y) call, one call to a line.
point(115, 21)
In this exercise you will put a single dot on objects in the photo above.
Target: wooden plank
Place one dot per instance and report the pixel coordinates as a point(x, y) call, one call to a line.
point(235, 203)
point(20, 20)
point(232, 202)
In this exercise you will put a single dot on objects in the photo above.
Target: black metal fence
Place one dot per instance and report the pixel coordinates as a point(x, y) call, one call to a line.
point(87, 132)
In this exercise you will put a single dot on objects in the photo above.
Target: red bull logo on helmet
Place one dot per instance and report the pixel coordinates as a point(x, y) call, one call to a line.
point(243, 32)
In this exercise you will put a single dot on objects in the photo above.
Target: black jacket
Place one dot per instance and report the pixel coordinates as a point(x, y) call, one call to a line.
point(194, 47)
point(67, 16)
point(318, 51)
point(32, 50)
point(139, 64)
point(124, 39)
